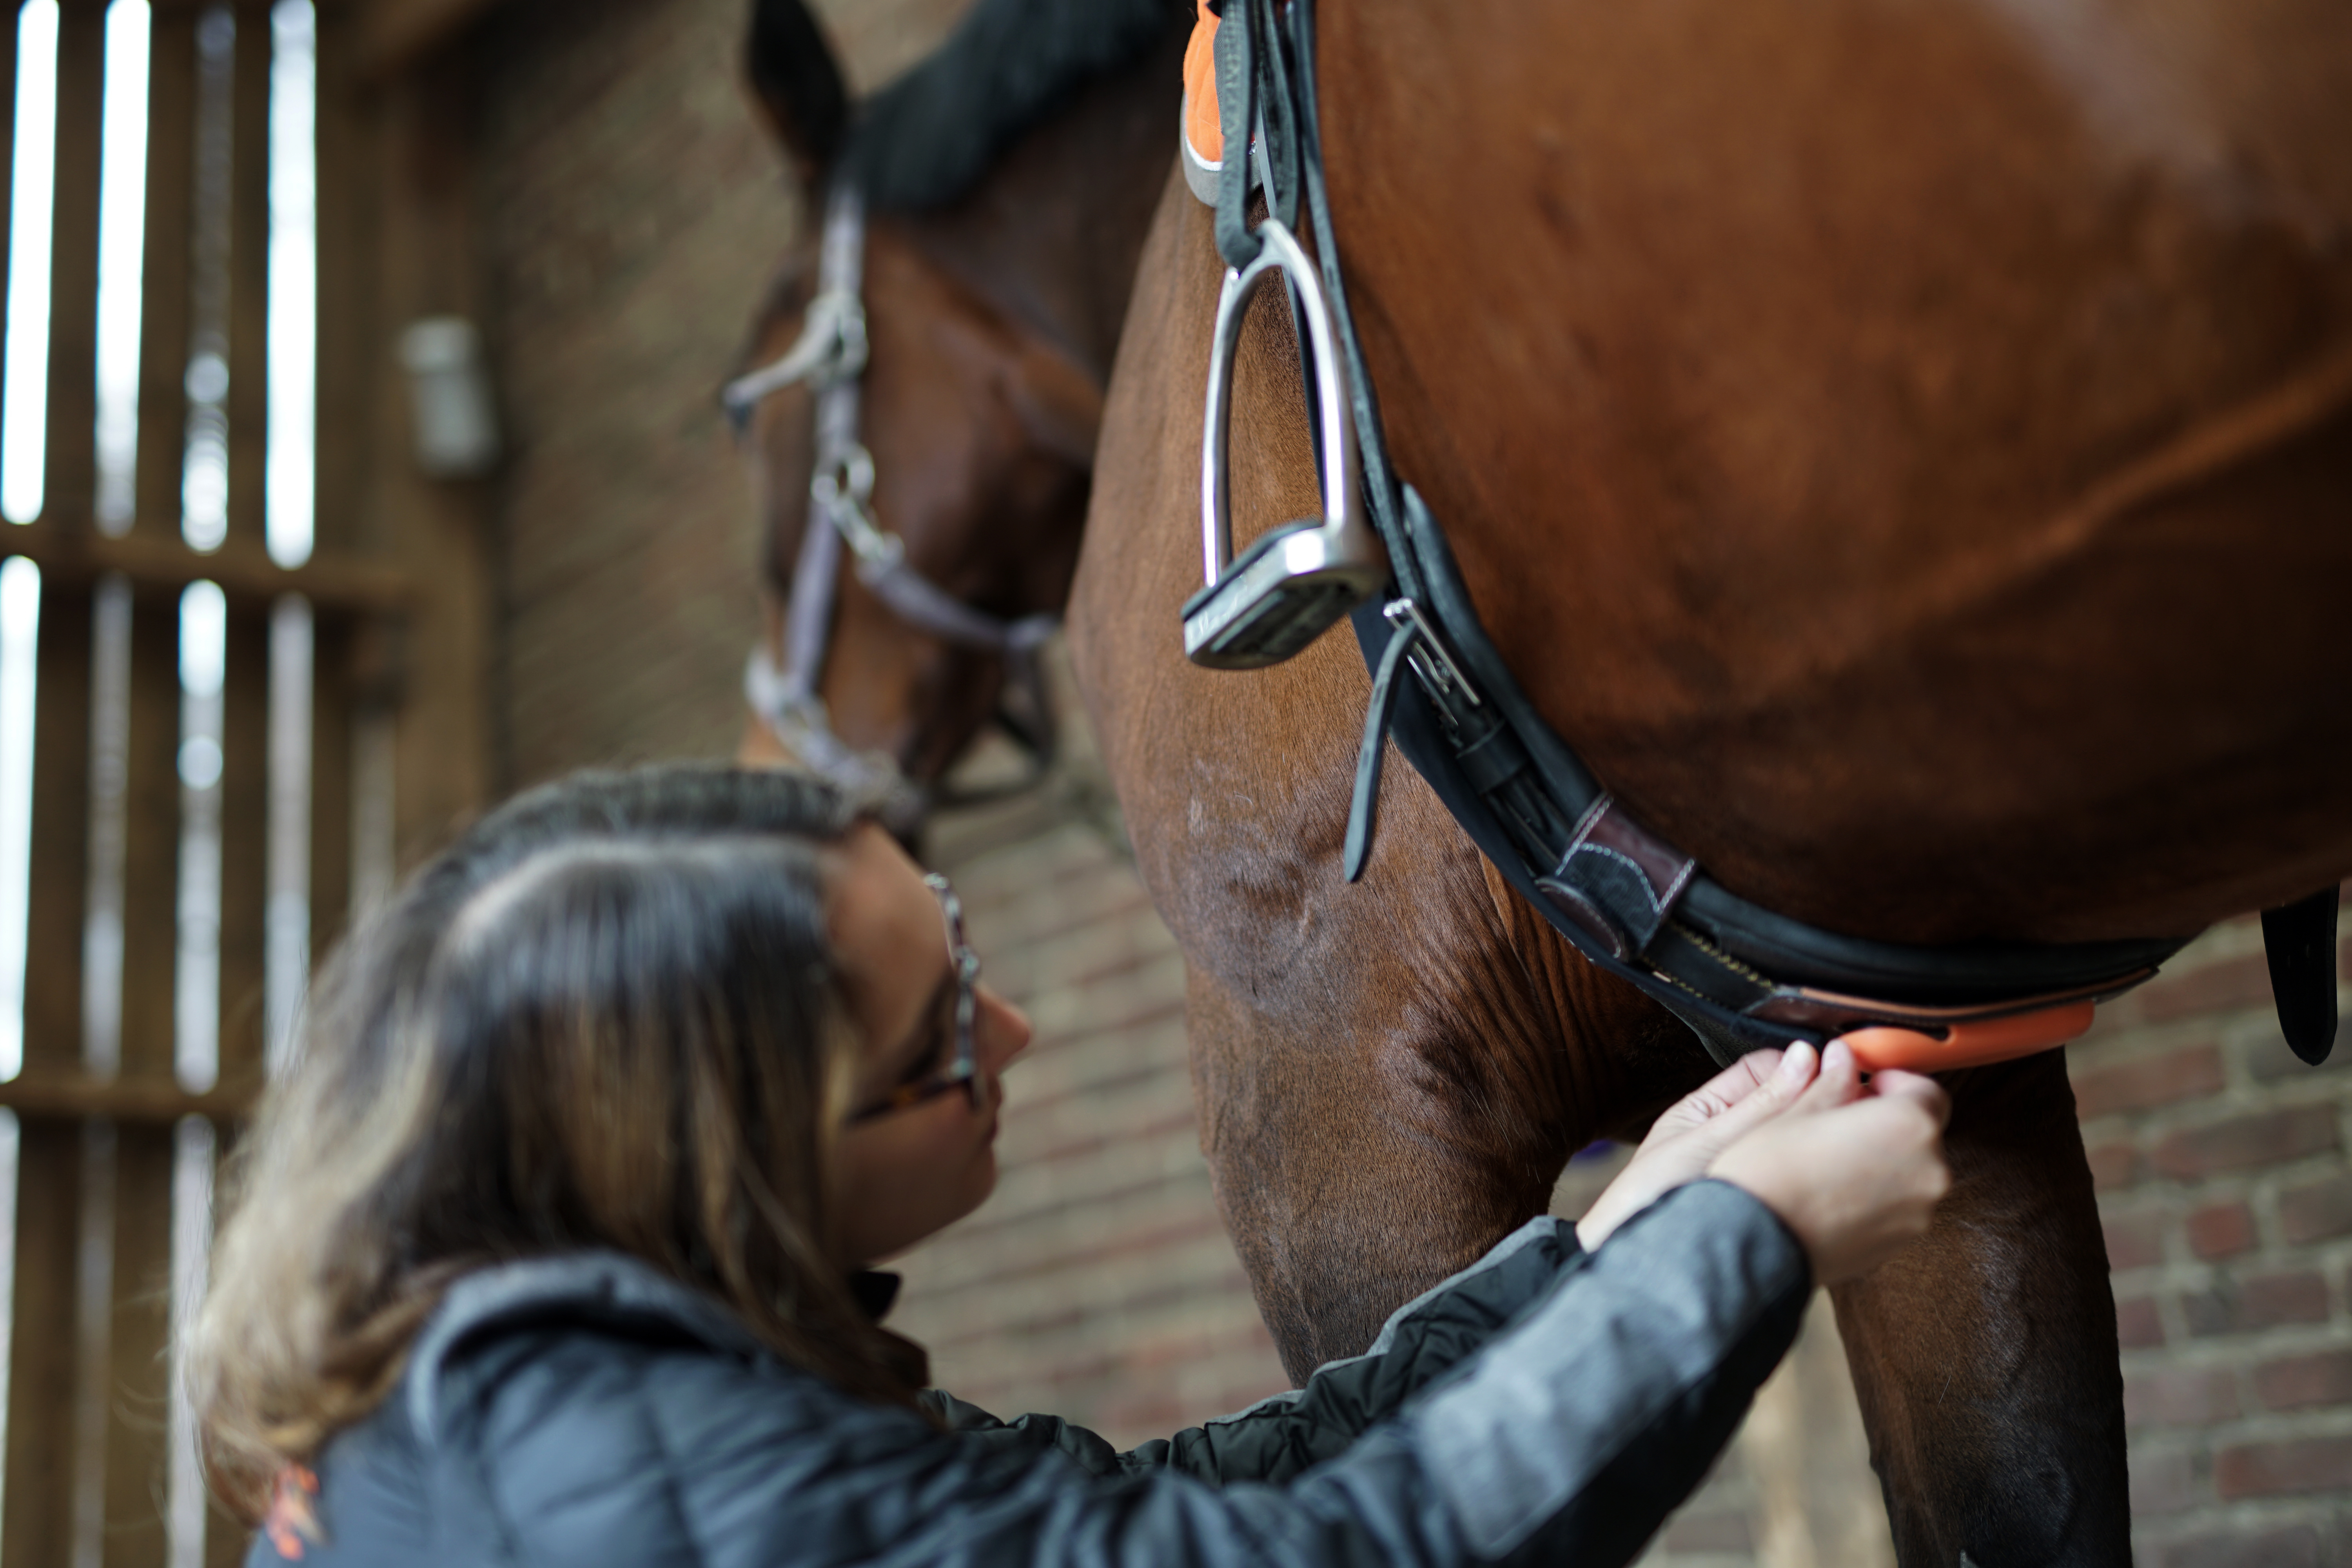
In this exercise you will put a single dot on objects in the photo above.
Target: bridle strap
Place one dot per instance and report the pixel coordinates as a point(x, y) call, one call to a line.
point(830, 354)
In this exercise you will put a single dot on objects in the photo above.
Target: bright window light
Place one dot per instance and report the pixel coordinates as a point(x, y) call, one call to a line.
point(109, 790)
point(20, 624)
point(24, 381)
point(204, 463)
point(121, 243)
point(203, 639)
point(291, 460)
point(286, 947)
point(203, 661)
point(193, 1152)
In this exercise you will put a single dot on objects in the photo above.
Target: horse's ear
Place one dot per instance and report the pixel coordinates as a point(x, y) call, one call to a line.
point(798, 85)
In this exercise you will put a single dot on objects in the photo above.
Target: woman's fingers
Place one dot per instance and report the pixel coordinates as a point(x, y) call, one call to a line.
point(1893, 1083)
point(1838, 1081)
point(1718, 1094)
point(1857, 1181)
point(1765, 1094)
point(1695, 1128)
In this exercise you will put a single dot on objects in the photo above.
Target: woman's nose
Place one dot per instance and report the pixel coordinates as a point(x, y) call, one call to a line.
point(1003, 1030)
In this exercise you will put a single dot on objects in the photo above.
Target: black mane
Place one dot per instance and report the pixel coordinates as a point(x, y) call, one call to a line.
point(926, 139)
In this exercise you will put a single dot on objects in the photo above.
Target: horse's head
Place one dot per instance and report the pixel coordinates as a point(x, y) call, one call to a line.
point(979, 418)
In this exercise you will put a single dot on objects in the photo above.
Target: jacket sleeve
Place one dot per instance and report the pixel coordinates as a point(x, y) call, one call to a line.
point(1595, 1408)
point(1281, 1437)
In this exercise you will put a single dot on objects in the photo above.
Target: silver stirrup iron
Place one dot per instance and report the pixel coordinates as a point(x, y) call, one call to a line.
point(1290, 586)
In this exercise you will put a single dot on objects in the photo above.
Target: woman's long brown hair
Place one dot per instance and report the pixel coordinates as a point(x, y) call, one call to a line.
point(605, 1019)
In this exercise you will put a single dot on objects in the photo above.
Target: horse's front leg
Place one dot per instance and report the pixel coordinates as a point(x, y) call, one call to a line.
point(1985, 1355)
point(1347, 1181)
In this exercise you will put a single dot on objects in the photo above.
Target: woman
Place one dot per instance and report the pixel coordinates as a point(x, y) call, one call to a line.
point(549, 1248)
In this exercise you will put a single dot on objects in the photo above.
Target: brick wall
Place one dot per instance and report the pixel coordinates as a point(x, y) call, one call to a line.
point(1098, 1283)
point(2220, 1160)
point(631, 212)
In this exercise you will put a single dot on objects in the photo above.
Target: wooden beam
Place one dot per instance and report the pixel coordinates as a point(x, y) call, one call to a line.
point(242, 568)
point(52, 1096)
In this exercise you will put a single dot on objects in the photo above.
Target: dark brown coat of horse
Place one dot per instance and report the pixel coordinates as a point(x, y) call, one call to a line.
point(1908, 451)
point(997, 271)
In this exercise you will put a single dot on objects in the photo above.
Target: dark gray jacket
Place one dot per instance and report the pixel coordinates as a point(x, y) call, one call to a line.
point(1542, 1404)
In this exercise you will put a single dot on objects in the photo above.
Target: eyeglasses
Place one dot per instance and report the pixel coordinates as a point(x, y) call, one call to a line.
point(962, 1071)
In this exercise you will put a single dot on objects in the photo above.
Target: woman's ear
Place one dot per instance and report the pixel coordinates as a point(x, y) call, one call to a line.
point(797, 85)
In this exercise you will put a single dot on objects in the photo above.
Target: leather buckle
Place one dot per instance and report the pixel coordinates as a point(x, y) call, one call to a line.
point(1618, 881)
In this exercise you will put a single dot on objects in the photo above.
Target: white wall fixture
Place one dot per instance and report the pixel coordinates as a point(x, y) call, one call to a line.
point(456, 425)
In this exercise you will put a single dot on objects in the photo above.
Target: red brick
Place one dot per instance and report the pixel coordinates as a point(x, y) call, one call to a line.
point(2289, 1546)
point(2316, 1210)
point(2265, 1301)
point(2138, 1325)
point(2242, 1143)
point(2268, 1060)
point(2163, 1483)
point(2297, 1383)
point(2151, 1081)
point(2114, 1165)
point(2221, 1231)
point(2214, 988)
point(2134, 1240)
point(2268, 1300)
point(2179, 1396)
point(2279, 1470)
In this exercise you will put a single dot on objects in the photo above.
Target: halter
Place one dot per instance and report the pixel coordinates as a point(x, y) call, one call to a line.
point(830, 355)
point(1740, 975)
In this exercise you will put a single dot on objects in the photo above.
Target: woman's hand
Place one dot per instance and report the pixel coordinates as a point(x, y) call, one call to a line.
point(1854, 1172)
point(1687, 1138)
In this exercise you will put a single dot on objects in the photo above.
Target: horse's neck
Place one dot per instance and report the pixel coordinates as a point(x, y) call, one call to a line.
point(1051, 236)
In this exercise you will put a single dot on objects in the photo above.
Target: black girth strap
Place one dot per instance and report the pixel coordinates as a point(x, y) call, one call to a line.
point(1741, 976)
point(2299, 940)
point(1366, 803)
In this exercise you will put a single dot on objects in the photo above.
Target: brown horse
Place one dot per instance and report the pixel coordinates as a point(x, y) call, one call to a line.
point(1905, 451)
point(1008, 182)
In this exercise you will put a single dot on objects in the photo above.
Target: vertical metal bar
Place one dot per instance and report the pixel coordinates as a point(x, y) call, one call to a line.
point(128, 1174)
point(121, 259)
point(36, 1504)
point(72, 469)
point(165, 283)
point(93, 1321)
point(196, 971)
point(61, 783)
point(331, 764)
point(151, 853)
point(192, 1237)
point(286, 965)
point(349, 345)
point(109, 769)
point(202, 506)
point(8, 133)
point(136, 1395)
point(33, 166)
point(245, 805)
point(249, 274)
point(37, 1525)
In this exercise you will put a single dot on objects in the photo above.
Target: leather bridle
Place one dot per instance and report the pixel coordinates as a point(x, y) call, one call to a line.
point(830, 355)
point(1741, 976)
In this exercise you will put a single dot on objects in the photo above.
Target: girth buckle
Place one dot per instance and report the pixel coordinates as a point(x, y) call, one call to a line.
point(1297, 580)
